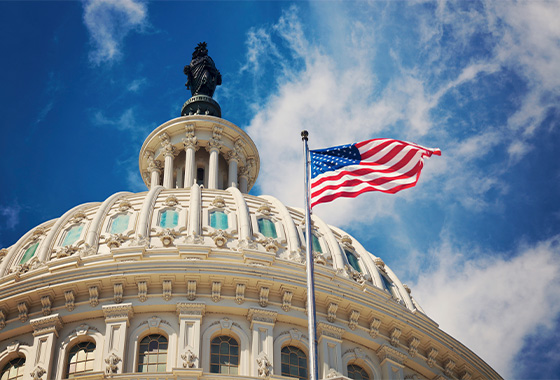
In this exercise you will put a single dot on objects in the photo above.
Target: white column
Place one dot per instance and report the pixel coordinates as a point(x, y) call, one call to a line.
point(45, 332)
point(329, 349)
point(169, 153)
point(392, 362)
point(262, 325)
point(232, 174)
point(116, 324)
point(154, 175)
point(243, 179)
point(213, 164)
point(191, 146)
point(190, 317)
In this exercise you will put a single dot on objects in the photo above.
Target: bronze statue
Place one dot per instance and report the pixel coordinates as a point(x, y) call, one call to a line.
point(203, 77)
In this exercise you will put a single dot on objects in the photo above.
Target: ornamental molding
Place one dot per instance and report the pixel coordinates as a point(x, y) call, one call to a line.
point(360, 278)
point(220, 238)
point(171, 201)
point(331, 312)
point(78, 216)
point(240, 293)
point(190, 140)
point(118, 313)
point(142, 291)
point(260, 315)
point(287, 300)
point(167, 289)
point(328, 330)
point(23, 310)
point(357, 352)
point(413, 344)
point(218, 202)
point(2, 319)
point(263, 296)
point(295, 334)
point(46, 325)
point(448, 367)
point(386, 352)
point(189, 310)
point(46, 304)
point(93, 296)
point(167, 236)
point(264, 366)
point(270, 244)
point(191, 290)
point(112, 364)
point(346, 242)
point(65, 251)
point(431, 356)
point(124, 205)
point(216, 291)
point(38, 373)
point(189, 359)
point(15, 346)
point(395, 335)
point(353, 318)
point(264, 209)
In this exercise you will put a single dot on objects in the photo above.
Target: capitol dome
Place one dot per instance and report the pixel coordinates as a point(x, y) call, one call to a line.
point(197, 279)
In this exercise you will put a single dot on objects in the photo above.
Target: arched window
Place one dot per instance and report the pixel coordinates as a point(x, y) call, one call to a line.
point(80, 359)
point(13, 370)
point(29, 253)
point(267, 228)
point(357, 373)
point(353, 261)
point(218, 220)
point(315, 241)
point(294, 363)
point(224, 355)
point(169, 219)
point(120, 224)
point(73, 235)
point(152, 354)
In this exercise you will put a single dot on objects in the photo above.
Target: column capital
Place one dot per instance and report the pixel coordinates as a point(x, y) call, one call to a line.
point(263, 316)
point(44, 325)
point(169, 150)
point(191, 142)
point(190, 310)
point(118, 313)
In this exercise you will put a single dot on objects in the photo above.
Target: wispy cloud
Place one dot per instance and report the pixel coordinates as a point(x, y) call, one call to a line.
point(137, 84)
point(125, 122)
point(109, 22)
point(10, 215)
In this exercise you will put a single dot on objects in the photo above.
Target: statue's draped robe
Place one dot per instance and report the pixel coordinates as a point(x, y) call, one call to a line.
point(203, 76)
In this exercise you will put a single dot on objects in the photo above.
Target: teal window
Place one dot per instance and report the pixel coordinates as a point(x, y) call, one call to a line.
point(13, 370)
point(120, 224)
point(80, 359)
point(73, 235)
point(152, 354)
point(29, 253)
point(294, 363)
point(267, 228)
point(218, 220)
point(356, 372)
point(224, 355)
point(353, 261)
point(169, 219)
point(315, 242)
point(388, 285)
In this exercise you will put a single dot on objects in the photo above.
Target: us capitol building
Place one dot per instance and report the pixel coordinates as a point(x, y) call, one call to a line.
point(197, 279)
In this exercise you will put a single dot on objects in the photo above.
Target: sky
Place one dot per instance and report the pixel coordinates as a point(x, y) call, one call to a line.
point(478, 240)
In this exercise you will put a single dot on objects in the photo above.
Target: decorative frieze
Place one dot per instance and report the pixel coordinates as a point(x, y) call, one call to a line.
point(331, 312)
point(374, 327)
point(353, 319)
point(191, 290)
point(118, 292)
point(263, 296)
point(46, 304)
point(190, 309)
point(413, 344)
point(117, 313)
point(287, 300)
point(142, 291)
point(431, 356)
point(395, 334)
point(167, 289)
point(22, 310)
point(448, 367)
point(69, 300)
point(45, 325)
point(330, 330)
point(216, 291)
point(389, 353)
point(240, 293)
point(93, 296)
point(259, 315)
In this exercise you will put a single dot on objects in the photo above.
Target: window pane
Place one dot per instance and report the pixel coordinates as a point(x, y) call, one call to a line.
point(223, 355)
point(72, 235)
point(169, 219)
point(353, 261)
point(219, 220)
point(152, 355)
point(294, 362)
point(267, 228)
point(80, 358)
point(120, 224)
point(356, 372)
point(29, 253)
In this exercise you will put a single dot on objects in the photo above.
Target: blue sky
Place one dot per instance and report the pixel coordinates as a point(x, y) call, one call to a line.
point(478, 240)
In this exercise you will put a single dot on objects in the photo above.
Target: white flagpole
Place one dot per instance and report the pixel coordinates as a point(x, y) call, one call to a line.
point(311, 315)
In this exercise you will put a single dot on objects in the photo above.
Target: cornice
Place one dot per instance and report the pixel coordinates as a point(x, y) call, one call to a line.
point(45, 325)
point(263, 316)
point(118, 313)
point(185, 310)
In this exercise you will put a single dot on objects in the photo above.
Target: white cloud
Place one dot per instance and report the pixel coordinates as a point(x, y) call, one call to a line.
point(108, 23)
point(136, 84)
point(10, 215)
point(491, 303)
point(126, 122)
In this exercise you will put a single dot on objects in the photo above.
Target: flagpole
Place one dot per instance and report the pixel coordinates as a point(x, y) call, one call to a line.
point(311, 315)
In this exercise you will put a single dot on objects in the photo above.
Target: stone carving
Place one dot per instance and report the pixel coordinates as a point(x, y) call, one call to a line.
point(448, 367)
point(287, 300)
point(333, 373)
point(142, 291)
point(116, 240)
point(22, 309)
point(190, 141)
point(2, 319)
point(124, 205)
point(194, 239)
point(140, 241)
point(93, 296)
point(374, 327)
point(330, 330)
point(380, 264)
point(78, 216)
point(216, 291)
point(353, 319)
point(167, 288)
point(20, 269)
point(167, 236)
point(171, 201)
point(465, 375)
point(270, 244)
point(46, 305)
point(240, 294)
point(65, 251)
point(295, 256)
point(263, 296)
point(219, 202)
point(264, 366)
point(413, 344)
point(264, 209)
point(431, 357)
point(395, 334)
point(189, 359)
point(191, 290)
point(388, 352)
point(112, 362)
point(38, 373)
point(46, 325)
point(295, 334)
point(118, 312)
point(3, 253)
point(118, 292)
point(259, 315)
point(191, 309)
point(360, 278)
point(220, 237)
point(202, 74)
point(331, 312)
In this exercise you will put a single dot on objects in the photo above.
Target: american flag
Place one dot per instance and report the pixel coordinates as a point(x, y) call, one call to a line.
point(374, 165)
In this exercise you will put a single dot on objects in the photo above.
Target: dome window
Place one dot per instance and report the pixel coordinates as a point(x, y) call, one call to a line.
point(218, 220)
point(29, 253)
point(80, 359)
point(315, 242)
point(294, 363)
point(13, 370)
point(357, 373)
point(224, 355)
point(267, 228)
point(353, 261)
point(169, 219)
point(72, 235)
point(152, 354)
point(120, 224)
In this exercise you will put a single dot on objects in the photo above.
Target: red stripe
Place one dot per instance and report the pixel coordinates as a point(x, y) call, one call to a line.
point(376, 149)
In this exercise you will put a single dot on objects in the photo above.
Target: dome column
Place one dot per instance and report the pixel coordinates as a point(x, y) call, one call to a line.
point(45, 332)
point(262, 325)
point(213, 147)
point(169, 152)
point(154, 168)
point(232, 173)
point(117, 321)
point(330, 349)
point(190, 317)
point(191, 146)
